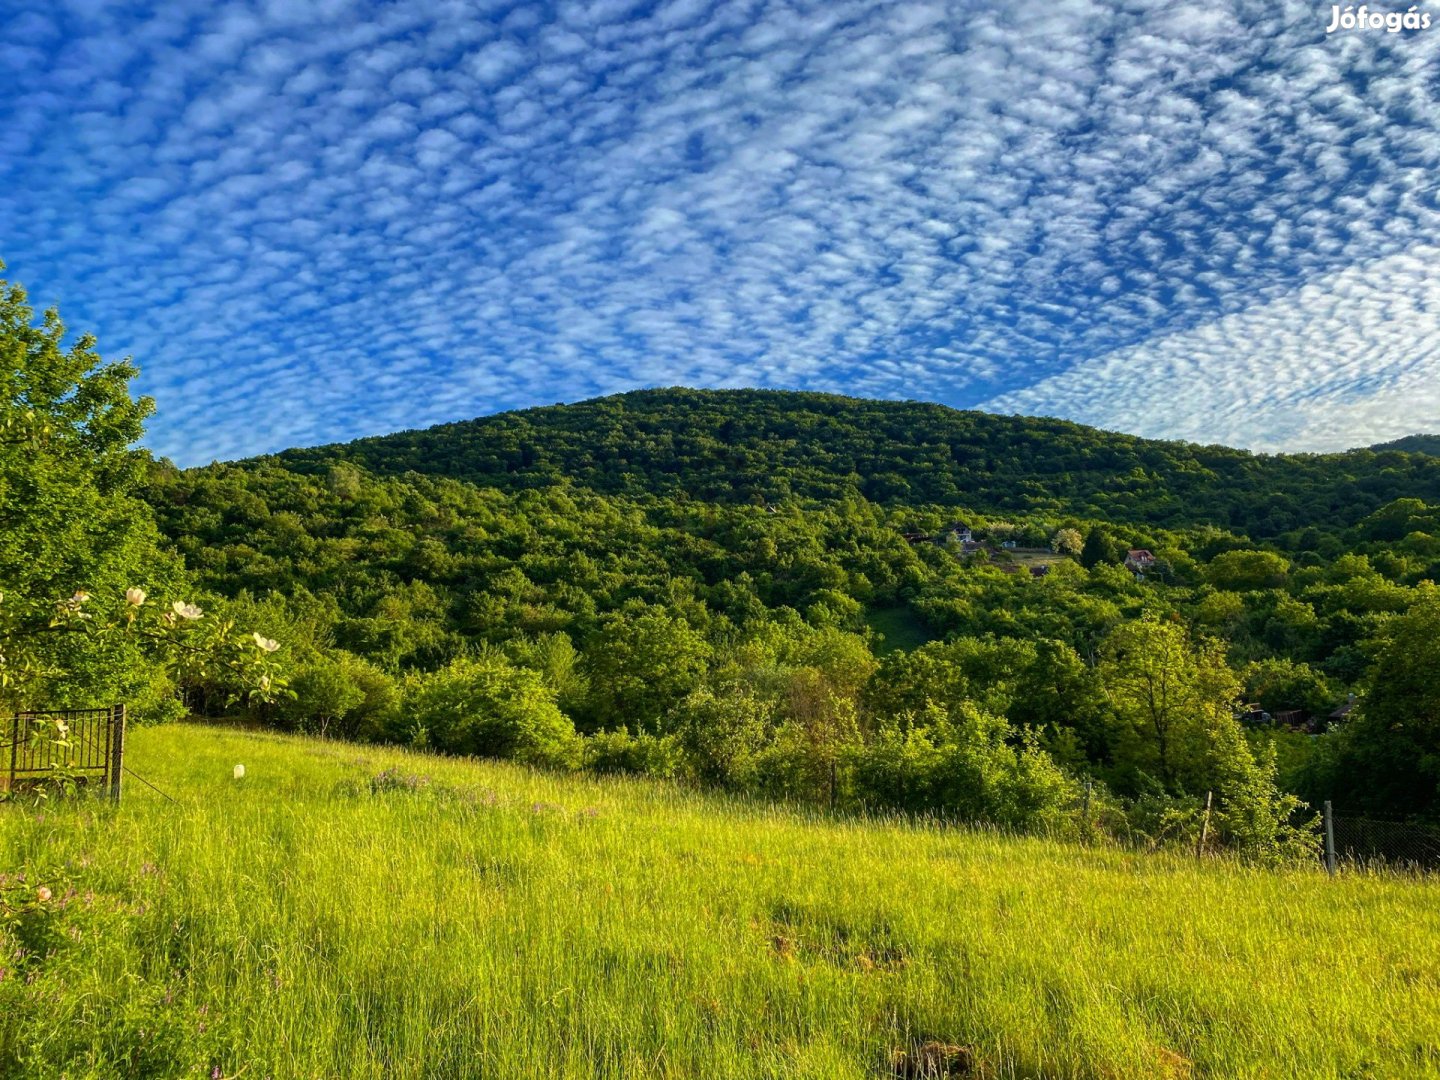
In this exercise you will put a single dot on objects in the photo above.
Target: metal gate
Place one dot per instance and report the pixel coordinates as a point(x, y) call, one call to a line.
point(92, 751)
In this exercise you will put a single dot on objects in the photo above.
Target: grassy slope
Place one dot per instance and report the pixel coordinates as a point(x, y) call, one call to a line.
point(507, 924)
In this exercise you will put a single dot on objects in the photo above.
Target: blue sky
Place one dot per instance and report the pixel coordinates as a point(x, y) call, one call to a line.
point(313, 221)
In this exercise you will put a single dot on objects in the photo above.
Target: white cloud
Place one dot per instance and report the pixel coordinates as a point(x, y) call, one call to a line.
point(311, 223)
point(1349, 359)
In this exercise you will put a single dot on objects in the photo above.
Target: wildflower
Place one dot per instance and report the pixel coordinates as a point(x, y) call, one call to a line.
point(186, 611)
point(265, 644)
point(134, 596)
point(43, 894)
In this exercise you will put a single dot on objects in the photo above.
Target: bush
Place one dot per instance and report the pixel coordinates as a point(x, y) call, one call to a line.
point(722, 736)
point(488, 707)
point(641, 755)
point(965, 764)
point(980, 776)
point(338, 693)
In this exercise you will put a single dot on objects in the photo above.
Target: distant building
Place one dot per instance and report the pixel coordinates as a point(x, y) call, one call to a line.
point(1295, 720)
point(1139, 560)
point(1253, 714)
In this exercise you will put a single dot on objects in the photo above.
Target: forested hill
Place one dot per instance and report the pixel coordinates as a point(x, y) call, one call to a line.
point(1412, 444)
point(754, 445)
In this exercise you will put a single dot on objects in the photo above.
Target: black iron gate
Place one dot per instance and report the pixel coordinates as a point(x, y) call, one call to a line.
point(86, 745)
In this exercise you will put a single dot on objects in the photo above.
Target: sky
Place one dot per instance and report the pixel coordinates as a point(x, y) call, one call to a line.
point(308, 222)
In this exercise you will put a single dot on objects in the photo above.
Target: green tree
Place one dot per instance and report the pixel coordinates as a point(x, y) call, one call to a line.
point(1278, 683)
point(337, 693)
point(1242, 571)
point(488, 707)
point(1166, 695)
point(1389, 759)
point(70, 521)
point(642, 661)
point(1174, 703)
point(1101, 546)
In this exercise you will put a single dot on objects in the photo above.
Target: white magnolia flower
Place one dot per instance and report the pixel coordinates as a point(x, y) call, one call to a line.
point(186, 611)
point(265, 644)
point(135, 597)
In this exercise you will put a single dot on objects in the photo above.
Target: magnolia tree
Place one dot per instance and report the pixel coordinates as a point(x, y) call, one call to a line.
point(81, 562)
point(38, 638)
point(41, 644)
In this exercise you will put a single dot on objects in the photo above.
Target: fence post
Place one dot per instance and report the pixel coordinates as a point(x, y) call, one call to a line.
point(117, 749)
point(1204, 825)
point(1329, 838)
point(14, 750)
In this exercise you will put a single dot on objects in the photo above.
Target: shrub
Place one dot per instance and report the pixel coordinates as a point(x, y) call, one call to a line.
point(642, 755)
point(488, 707)
point(967, 763)
point(722, 736)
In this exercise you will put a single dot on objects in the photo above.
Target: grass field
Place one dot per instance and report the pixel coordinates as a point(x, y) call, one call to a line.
point(309, 921)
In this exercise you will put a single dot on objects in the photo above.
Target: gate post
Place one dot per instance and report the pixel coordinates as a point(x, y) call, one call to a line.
point(117, 749)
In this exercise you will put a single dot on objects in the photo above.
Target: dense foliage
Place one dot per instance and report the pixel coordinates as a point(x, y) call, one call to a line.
point(753, 445)
point(81, 564)
point(754, 646)
point(871, 604)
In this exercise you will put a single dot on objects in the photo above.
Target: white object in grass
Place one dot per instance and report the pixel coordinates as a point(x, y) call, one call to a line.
point(239, 772)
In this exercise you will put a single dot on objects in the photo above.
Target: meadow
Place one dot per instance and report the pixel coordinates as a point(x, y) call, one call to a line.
point(354, 911)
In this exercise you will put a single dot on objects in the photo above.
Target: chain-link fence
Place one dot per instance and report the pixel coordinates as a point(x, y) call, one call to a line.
point(1374, 842)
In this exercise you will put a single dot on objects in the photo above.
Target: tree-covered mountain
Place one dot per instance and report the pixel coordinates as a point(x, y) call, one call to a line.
point(1412, 444)
point(764, 445)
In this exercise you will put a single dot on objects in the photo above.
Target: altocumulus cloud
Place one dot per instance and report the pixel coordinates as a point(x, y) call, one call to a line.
point(314, 221)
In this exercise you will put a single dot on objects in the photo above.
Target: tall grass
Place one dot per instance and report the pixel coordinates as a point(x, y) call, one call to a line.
point(311, 920)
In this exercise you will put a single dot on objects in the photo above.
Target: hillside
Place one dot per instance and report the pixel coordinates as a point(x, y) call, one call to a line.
point(1412, 444)
point(737, 643)
point(347, 911)
point(754, 445)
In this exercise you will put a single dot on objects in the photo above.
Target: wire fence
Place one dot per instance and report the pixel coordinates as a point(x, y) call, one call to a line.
point(1373, 842)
